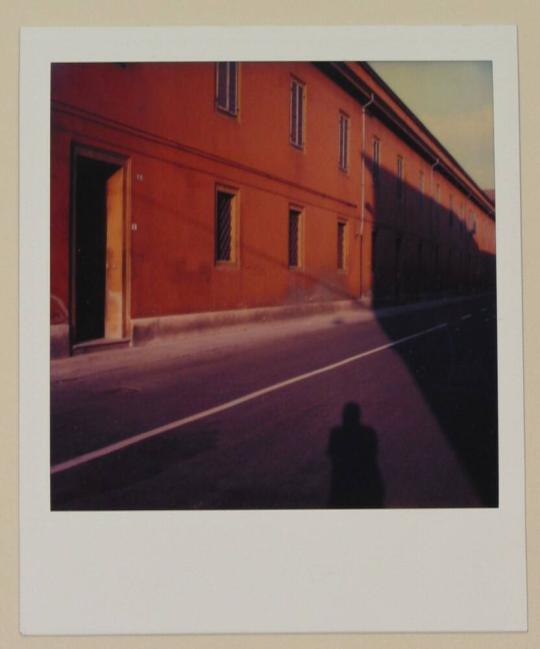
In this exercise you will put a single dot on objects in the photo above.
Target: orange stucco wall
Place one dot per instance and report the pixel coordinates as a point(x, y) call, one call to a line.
point(162, 119)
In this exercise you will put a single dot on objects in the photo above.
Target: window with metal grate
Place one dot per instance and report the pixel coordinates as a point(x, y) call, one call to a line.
point(341, 245)
point(224, 226)
point(294, 238)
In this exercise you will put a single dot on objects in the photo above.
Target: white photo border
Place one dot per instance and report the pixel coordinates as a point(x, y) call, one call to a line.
point(266, 571)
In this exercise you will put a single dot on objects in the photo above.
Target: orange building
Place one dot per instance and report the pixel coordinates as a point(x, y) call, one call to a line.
point(188, 188)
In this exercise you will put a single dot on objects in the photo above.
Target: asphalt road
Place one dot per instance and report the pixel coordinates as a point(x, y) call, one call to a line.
point(235, 436)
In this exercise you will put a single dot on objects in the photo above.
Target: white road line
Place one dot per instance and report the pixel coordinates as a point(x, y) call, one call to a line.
point(466, 316)
point(140, 437)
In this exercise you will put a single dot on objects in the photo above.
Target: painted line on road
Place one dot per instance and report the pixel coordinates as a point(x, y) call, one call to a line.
point(140, 437)
point(466, 316)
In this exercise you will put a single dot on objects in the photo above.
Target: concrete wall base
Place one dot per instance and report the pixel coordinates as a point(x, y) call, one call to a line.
point(59, 340)
point(146, 329)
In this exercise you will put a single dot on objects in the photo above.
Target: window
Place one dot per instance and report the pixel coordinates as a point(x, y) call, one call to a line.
point(343, 141)
point(294, 237)
point(399, 183)
point(341, 245)
point(227, 87)
point(435, 207)
point(471, 222)
point(225, 225)
point(297, 113)
point(376, 158)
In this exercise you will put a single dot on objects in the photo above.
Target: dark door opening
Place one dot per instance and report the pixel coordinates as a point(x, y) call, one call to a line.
point(98, 250)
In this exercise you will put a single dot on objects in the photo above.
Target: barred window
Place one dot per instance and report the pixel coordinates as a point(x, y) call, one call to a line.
point(227, 87)
point(341, 245)
point(297, 113)
point(343, 141)
point(224, 232)
point(294, 238)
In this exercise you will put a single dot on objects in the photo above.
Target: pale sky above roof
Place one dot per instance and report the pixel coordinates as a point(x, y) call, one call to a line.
point(454, 99)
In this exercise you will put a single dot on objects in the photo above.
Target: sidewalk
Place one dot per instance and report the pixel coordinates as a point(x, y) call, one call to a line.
point(234, 335)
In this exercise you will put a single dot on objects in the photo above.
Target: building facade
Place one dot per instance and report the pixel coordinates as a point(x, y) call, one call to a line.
point(187, 188)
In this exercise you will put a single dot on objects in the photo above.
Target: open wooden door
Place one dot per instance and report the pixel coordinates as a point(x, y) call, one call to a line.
point(114, 271)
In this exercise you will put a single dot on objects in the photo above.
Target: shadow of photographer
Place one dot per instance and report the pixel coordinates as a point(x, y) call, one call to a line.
point(356, 479)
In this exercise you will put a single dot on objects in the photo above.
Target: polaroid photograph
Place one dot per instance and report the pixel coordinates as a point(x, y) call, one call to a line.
point(271, 287)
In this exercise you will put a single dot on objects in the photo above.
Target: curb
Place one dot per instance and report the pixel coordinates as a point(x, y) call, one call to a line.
point(145, 330)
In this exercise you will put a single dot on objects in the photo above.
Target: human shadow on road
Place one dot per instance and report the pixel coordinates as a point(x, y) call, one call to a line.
point(356, 479)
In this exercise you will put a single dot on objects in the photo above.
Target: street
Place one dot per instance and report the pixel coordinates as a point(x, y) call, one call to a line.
point(241, 418)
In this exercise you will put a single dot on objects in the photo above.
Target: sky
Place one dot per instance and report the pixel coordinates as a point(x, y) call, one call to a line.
point(454, 99)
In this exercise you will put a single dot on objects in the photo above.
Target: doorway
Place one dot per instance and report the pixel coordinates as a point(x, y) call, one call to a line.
point(98, 257)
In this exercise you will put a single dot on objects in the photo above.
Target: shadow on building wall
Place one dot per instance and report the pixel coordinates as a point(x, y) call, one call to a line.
point(424, 250)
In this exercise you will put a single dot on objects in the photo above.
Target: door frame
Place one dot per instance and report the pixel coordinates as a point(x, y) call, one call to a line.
point(81, 150)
